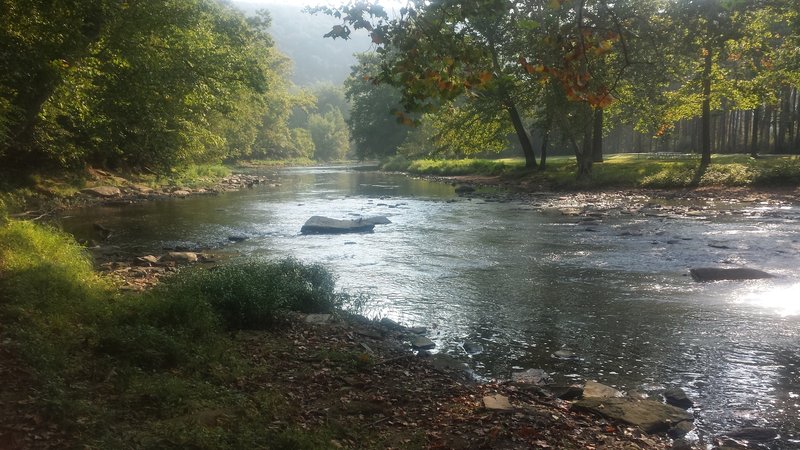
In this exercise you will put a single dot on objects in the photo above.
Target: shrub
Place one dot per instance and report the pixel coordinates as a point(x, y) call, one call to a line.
point(397, 163)
point(253, 294)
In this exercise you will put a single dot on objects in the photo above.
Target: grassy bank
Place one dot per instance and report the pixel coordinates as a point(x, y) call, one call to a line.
point(46, 191)
point(623, 171)
point(107, 369)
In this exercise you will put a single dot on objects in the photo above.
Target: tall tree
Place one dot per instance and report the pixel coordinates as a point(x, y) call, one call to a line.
point(374, 128)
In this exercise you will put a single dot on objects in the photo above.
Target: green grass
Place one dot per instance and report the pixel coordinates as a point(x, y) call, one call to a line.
point(136, 370)
point(623, 171)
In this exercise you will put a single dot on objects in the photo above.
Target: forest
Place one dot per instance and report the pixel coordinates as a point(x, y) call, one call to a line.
point(151, 85)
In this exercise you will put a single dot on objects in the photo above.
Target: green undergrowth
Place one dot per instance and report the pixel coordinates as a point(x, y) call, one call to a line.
point(290, 162)
point(623, 171)
point(152, 369)
point(46, 191)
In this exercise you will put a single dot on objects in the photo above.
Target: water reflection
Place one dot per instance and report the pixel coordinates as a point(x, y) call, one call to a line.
point(781, 300)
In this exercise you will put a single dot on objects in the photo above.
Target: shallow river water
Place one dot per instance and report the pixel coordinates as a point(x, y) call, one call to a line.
point(525, 280)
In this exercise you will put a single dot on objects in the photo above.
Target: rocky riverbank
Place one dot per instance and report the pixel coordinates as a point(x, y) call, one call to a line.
point(363, 375)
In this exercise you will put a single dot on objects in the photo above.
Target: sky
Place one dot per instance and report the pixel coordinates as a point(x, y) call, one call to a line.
point(302, 3)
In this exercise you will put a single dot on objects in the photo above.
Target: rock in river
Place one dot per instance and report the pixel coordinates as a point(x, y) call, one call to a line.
point(716, 274)
point(677, 397)
point(326, 225)
point(536, 377)
point(649, 415)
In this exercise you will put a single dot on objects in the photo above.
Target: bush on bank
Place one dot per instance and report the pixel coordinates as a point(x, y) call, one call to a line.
point(117, 368)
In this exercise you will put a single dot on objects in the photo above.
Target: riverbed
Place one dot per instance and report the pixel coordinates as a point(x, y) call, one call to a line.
point(526, 277)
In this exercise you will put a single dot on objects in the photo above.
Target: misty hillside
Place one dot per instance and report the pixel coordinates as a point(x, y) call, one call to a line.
point(299, 36)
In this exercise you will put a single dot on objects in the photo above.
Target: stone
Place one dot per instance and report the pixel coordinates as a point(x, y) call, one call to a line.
point(649, 415)
point(418, 330)
point(369, 332)
point(564, 354)
point(391, 324)
point(142, 189)
point(326, 225)
point(182, 193)
point(318, 319)
point(566, 392)
point(497, 402)
point(376, 220)
point(681, 444)
point(237, 238)
point(593, 389)
point(677, 397)
point(717, 274)
point(754, 434)
point(472, 348)
point(103, 191)
point(147, 259)
point(681, 429)
point(446, 363)
point(185, 257)
point(422, 342)
point(536, 377)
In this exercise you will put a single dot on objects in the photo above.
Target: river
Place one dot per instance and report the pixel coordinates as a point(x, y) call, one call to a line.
point(524, 279)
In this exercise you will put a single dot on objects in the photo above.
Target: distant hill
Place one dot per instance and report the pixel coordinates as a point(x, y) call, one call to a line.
point(298, 35)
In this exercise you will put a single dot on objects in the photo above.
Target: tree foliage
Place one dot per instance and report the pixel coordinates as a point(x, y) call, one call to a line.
point(582, 67)
point(146, 84)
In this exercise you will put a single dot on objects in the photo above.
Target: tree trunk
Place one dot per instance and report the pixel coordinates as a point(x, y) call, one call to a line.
point(597, 136)
point(584, 157)
point(754, 132)
point(543, 157)
point(706, 134)
point(522, 135)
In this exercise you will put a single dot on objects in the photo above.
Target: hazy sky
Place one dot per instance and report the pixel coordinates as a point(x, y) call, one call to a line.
point(301, 3)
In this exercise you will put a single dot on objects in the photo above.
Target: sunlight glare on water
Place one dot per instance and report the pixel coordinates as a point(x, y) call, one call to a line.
point(781, 300)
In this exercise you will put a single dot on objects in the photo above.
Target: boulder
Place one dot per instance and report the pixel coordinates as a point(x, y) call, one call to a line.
point(376, 220)
point(566, 392)
point(472, 348)
point(390, 324)
point(717, 274)
point(464, 189)
point(649, 415)
point(422, 343)
point(677, 397)
point(536, 377)
point(184, 257)
point(103, 191)
point(326, 225)
point(593, 389)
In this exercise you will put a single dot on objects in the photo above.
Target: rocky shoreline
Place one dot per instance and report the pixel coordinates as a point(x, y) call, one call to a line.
point(399, 387)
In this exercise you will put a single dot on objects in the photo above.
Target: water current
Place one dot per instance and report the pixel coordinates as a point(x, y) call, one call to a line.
point(524, 280)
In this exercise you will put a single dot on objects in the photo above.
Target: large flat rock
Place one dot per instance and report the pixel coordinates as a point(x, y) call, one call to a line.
point(326, 225)
point(717, 274)
point(649, 415)
point(103, 191)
